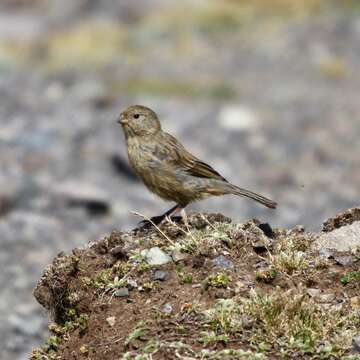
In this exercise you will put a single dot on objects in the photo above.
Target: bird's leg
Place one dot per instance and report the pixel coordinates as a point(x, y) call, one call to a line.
point(158, 219)
point(171, 212)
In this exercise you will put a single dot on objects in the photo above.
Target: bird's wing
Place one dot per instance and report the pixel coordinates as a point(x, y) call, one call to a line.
point(189, 162)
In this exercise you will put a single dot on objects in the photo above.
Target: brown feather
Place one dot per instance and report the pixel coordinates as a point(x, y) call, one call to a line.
point(190, 163)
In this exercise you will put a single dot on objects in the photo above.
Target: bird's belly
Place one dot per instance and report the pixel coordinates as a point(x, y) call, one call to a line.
point(164, 179)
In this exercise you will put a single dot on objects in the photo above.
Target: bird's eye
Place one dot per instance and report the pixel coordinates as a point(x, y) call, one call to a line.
point(136, 116)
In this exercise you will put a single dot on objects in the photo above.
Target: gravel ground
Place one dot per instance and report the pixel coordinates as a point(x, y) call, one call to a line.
point(271, 103)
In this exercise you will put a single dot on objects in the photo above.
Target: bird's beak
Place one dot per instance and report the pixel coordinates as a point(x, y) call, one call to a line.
point(122, 120)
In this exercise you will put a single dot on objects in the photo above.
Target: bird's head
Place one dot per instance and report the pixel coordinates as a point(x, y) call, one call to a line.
point(138, 120)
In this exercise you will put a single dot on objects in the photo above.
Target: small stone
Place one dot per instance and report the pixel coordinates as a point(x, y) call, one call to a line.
point(177, 256)
point(131, 284)
point(356, 342)
point(167, 308)
point(122, 292)
point(111, 320)
point(160, 275)
point(155, 256)
point(222, 262)
point(342, 239)
point(355, 303)
point(344, 260)
point(313, 292)
point(326, 253)
point(326, 298)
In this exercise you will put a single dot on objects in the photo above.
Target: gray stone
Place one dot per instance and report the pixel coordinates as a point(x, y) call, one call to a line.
point(326, 298)
point(222, 262)
point(326, 253)
point(167, 308)
point(155, 256)
point(131, 284)
point(122, 292)
point(342, 239)
point(344, 260)
point(177, 256)
point(160, 275)
point(313, 292)
point(356, 342)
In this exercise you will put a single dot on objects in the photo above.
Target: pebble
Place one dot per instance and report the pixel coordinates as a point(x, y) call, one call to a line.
point(160, 275)
point(122, 292)
point(131, 284)
point(155, 256)
point(177, 256)
point(222, 262)
point(111, 320)
point(344, 260)
point(342, 239)
point(356, 342)
point(313, 292)
point(167, 308)
point(326, 253)
point(326, 298)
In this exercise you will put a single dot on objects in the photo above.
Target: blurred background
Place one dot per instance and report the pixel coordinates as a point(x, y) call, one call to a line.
point(265, 91)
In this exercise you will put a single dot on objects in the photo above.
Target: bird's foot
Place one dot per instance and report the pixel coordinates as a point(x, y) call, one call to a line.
point(155, 221)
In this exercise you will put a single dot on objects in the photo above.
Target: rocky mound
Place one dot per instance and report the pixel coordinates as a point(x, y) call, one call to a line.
point(212, 289)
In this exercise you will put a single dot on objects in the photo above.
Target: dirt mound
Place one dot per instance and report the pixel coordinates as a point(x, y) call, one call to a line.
point(209, 290)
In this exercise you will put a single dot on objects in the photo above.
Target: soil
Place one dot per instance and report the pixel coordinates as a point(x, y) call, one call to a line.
point(76, 286)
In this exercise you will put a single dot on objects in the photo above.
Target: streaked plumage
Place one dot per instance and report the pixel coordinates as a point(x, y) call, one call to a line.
point(167, 168)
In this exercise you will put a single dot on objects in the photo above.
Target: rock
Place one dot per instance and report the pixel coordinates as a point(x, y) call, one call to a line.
point(237, 118)
point(160, 275)
point(313, 292)
point(222, 262)
point(122, 292)
point(344, 260)
point(326, 298)
point(326, 253)
point(177, 256)
point(355, 303)
point(155, 256)
point(131, 284)
point(111, 320)
point(167, 308)
point(356, 342)
point(343, 239)
point(346, 218)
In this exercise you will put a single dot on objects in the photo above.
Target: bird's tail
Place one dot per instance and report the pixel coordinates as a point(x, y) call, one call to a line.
point(249, 194)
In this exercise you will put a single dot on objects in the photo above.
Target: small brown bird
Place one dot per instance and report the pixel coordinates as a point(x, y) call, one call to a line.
point(168, 169)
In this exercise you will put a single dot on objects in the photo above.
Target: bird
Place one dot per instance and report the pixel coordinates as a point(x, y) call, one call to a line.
point(169, 170)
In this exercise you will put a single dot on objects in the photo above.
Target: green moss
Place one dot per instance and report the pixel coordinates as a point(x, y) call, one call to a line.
point(350, 276)
point(218, 280)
